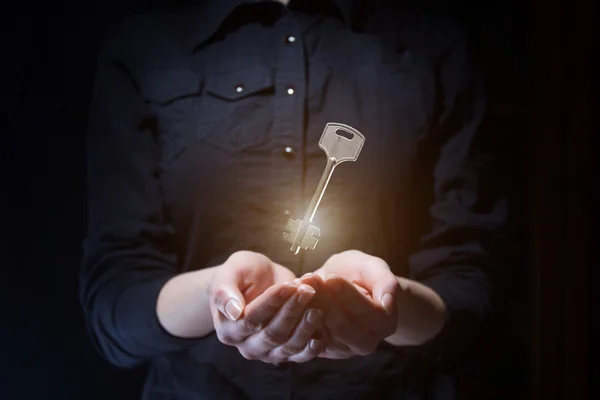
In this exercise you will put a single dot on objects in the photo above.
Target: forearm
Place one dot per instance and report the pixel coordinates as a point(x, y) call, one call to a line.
point(421, 314)
point(183, 305)
point(122, 318)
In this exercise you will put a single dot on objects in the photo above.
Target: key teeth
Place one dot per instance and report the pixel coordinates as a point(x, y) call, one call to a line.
point(291, 226)
point(310, 239)
point(311, 247)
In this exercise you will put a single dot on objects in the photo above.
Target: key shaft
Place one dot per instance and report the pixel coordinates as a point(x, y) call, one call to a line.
point(314, 204)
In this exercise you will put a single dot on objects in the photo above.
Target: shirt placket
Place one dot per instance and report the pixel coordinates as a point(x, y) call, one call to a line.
point(287, 139)
point(286, 163)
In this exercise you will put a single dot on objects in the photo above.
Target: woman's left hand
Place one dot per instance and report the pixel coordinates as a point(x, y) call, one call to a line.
point(361, 292)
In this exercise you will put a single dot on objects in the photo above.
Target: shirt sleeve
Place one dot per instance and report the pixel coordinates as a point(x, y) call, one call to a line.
point(128, 252)
point(460, 252)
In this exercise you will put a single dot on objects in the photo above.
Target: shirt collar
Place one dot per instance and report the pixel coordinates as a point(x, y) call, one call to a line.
point(205, 17)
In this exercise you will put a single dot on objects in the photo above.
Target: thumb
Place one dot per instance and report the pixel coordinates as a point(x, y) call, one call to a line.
point(228, 298)
point(384, 286)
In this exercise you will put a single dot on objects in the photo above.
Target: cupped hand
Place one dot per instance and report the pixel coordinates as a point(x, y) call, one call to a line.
point(257, 307)
point(362, 312)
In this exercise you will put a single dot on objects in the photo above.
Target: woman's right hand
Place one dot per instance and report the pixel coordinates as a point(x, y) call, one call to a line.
point(257, 307)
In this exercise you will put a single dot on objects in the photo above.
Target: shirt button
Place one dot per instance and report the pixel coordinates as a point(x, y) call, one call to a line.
point(239, 88)
point(290, 39)
point(290, 90)
point(288, 151)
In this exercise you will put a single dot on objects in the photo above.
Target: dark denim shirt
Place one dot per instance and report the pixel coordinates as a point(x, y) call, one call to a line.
point(203, 140)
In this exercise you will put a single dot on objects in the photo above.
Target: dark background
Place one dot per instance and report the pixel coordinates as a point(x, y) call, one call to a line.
point(538, 60)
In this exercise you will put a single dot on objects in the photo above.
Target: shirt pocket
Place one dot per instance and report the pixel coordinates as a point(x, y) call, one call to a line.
point(174, 95)
point(236, 111)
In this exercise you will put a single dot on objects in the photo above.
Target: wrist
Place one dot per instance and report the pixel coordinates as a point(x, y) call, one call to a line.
point(182, 306)
point(421, 314)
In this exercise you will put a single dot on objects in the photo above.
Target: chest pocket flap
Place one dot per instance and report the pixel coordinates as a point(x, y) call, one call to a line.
point(236, 112)
point(164, 86)
point(238, 84)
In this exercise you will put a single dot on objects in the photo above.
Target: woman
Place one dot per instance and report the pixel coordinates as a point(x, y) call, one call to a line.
point(203, 143)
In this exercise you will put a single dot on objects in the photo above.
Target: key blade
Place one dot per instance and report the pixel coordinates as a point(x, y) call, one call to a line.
point(310, 239)
point(339, 146)
point(291, 228)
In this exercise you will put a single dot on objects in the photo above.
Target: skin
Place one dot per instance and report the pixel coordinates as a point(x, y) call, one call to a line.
point(368, 304)
point(262, 309)
point(251, 303)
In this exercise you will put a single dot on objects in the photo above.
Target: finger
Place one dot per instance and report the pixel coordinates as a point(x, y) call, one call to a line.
point(279, 329)
point(321, 299)
point(301, 336)
point(383, 284)
point(323, 332)
point(228, 299)
point(252, 273)
point(311, 350)
point(364, 310)
point(230, 332)
point(234, 277)
point(311, 279)
point(362, 290)
point(336, 351)
point(256, 315)
point(260, 311)
point(346, 330)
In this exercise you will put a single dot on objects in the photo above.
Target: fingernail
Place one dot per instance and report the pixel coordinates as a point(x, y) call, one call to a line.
point(333, 283)
point(287, 290)
point(233, 309)
point(313, 316)
point(306, 293)
point(314, 344)
point(298, 281)
point(306, 275)
point(387, 301)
